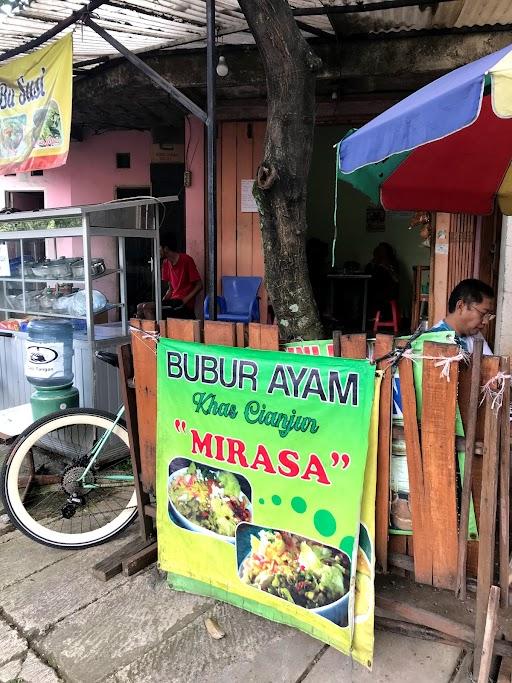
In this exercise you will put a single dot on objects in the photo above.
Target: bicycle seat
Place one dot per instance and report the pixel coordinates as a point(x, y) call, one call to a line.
point(107, 357)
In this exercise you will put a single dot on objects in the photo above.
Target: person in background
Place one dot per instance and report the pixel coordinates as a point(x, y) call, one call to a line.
point(317, 255)
point(383, 286)
point(184, 283)
point(470, 309)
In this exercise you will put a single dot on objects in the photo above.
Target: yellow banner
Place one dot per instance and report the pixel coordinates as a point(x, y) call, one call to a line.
point(35, 109)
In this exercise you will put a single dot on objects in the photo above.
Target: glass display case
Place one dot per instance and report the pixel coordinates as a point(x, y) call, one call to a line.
point(75, 263)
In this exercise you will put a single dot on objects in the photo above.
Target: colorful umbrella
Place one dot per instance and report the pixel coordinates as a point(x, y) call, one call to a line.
point(447, 147)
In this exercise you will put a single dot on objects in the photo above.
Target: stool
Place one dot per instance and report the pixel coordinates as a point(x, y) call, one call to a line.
point(388, 323)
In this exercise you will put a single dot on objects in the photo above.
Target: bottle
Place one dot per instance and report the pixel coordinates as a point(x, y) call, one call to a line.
point(49, 353)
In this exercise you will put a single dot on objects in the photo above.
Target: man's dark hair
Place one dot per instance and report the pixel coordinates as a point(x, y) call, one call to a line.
point(469, 291)
point(169, 241)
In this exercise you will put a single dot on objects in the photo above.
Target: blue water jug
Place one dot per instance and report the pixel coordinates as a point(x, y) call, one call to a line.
point(49, 352)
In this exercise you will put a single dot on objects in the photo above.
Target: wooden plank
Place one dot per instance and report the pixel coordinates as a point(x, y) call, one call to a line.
point(150, 510)
point(258, 267)
point(491, 626)
point(463, 674)
point(220, 138)
point(140, 560)
point(144, 364)
point(505, 674)
point(227, 237)
point(383, 345)
point(489, 369)
point(240, 335)
point(124, 356)
point(420, 510)
point(353, 345)
point(502, 648)
point(112, 565)
point(264, 337)
point(416, 615)
point(243, 220)
point(222, 333)
point(397, 545)
point(472, 560)
point(405, 628)
point(401, 561)
point(184, 330)
point(439, 466)
point(487, 525)
point(470, 435)
point(410, 546)
point(336, 343)
point(504, 496)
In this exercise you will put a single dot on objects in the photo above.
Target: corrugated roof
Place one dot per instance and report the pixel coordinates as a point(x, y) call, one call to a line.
point(457, 14)
point(143, 25)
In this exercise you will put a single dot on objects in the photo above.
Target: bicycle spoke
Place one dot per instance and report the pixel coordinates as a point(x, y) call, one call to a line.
point(75, 500)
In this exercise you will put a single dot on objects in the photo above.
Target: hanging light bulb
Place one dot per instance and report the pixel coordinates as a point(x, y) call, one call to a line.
point(222, 67)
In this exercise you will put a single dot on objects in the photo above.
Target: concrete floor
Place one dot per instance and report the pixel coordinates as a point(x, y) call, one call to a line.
point(59, 623)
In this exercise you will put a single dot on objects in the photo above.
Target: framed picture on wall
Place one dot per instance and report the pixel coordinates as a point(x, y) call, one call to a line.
point(375, 219)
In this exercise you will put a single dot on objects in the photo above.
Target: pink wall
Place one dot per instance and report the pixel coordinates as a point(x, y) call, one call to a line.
point(92, 165)
point(90, 176)
point(195, 198)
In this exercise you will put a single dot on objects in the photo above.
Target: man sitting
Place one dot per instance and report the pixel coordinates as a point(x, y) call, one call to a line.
point(470, 309)
point(184, 283)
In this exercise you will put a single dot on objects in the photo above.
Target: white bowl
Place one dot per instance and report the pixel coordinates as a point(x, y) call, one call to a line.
point(192, 526)
point(336, 611)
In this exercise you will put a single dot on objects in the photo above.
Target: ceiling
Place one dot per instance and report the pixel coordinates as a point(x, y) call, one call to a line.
point(170, 36)
point(145, 25)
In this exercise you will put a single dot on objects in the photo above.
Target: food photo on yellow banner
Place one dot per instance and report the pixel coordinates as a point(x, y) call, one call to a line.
point(35, 109)
point(266, 468)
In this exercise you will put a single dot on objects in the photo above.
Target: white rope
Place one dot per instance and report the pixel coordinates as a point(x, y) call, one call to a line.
point(494, 390)
point(146, 334)
point(442, 362)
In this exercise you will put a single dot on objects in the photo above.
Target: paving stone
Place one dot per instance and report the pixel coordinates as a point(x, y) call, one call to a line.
point(408, 660)
point(12, 646)
point(254, 650)
point(57, 590)
point(116, 629)
point(8, 533)
point(28, 670)
point(24, 557)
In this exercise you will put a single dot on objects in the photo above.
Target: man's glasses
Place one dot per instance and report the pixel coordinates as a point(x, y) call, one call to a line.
point(484, 316)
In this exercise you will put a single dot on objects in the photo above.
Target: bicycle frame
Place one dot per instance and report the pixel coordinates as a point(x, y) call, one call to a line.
point(95, 452)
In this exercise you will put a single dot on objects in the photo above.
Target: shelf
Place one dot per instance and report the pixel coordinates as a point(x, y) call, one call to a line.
point(109, 271)
point(52, 314)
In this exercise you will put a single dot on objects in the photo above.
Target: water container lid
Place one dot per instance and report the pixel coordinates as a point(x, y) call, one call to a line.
point(55, 326)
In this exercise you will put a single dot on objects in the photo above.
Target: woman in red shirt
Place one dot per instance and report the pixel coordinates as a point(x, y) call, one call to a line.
point(182, 276)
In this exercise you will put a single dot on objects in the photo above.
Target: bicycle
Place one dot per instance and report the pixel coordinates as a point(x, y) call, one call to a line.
point(68, 480)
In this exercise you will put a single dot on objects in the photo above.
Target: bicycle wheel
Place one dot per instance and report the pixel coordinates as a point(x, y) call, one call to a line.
point(45, 493)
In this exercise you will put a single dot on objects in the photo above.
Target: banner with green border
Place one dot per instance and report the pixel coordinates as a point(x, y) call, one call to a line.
point(261, 458)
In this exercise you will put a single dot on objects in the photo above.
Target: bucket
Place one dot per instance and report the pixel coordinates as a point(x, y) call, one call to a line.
point(399, 473)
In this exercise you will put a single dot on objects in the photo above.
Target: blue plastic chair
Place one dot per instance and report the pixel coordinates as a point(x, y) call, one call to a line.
point(239, 300)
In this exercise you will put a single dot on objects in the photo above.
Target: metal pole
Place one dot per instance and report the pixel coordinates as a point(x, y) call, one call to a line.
point(161, 82)
point(211, 131)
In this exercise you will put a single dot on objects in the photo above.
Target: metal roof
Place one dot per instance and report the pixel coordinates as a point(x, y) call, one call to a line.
point(143, 25)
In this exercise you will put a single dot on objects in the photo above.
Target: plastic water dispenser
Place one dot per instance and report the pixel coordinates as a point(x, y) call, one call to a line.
point(49, 366)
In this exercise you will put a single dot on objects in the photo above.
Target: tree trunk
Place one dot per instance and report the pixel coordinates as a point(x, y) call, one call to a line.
point(281, 185)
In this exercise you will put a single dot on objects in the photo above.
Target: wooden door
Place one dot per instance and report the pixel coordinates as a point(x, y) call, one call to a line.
point(239, 252)
point(466, 246)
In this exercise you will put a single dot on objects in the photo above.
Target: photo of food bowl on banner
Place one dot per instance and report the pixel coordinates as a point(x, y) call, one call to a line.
point(262, 462)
